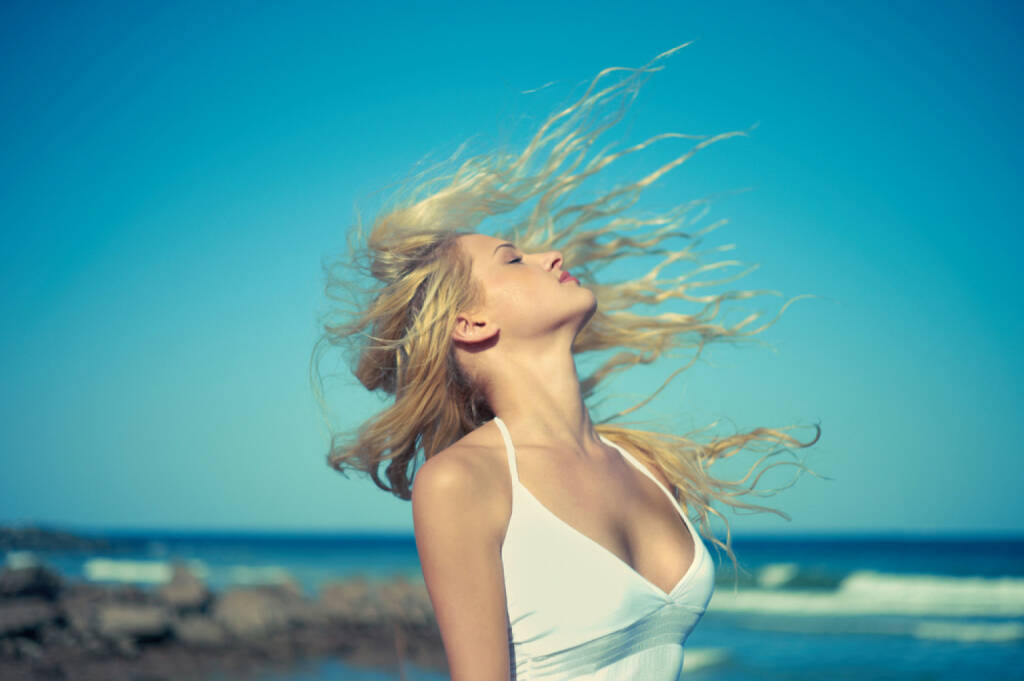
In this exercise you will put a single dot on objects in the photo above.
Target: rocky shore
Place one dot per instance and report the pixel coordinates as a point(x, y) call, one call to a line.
point(52, 628)
point(35, 538)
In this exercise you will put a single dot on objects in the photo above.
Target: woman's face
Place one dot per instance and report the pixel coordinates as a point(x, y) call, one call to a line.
point(525, 294)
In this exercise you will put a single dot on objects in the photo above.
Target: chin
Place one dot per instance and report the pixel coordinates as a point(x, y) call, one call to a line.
point(587, 311)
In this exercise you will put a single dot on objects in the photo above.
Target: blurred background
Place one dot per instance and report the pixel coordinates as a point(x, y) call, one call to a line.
point(174, 173)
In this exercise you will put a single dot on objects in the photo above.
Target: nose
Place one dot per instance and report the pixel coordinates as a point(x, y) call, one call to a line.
point(552, 259)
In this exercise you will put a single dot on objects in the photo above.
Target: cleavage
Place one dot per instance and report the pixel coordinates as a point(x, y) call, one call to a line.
point(615, 493)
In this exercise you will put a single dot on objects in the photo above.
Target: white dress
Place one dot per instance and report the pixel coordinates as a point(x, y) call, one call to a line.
point(578, 611)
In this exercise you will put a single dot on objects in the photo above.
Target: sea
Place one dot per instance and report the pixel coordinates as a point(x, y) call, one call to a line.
point(815, 607)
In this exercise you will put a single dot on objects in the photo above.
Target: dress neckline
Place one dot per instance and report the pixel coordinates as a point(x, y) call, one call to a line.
point(697, 553)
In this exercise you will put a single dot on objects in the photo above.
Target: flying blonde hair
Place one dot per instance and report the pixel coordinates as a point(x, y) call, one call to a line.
point(397, 331)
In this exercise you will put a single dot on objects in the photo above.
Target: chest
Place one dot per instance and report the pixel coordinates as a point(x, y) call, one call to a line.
point(619, 510)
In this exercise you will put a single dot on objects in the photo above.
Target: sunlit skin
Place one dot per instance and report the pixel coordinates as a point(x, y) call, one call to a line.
point(520, 341)
point(518, 346)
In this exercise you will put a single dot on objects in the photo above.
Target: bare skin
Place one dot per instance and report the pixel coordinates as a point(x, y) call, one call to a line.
point(519, 343)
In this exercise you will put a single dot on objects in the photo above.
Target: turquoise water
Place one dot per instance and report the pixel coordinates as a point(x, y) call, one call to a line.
point(813, 607)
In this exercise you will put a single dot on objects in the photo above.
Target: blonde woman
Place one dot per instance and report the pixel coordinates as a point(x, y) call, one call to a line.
point(552, 546)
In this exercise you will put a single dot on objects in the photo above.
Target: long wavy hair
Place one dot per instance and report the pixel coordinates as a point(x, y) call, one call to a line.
point(396, 331)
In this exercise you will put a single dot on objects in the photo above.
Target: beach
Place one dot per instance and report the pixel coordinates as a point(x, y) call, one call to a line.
point(348, 607)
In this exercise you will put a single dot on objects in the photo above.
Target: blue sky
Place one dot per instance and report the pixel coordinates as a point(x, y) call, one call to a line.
point(174, 172)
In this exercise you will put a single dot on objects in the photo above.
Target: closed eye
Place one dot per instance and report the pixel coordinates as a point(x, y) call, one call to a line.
point(519, 259)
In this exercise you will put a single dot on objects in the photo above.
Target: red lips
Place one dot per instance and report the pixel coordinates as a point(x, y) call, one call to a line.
point(566, 275)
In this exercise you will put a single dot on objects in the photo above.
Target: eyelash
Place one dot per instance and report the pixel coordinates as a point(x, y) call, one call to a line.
point(519, 259)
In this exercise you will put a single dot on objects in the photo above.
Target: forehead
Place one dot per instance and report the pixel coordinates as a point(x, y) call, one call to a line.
point(479, 246)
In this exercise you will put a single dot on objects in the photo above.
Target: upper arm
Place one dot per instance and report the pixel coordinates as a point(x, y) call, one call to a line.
point(459, 548)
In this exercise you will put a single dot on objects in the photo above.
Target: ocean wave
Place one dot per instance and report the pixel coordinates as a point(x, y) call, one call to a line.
point(702, 658)
point(138, 571)
point(775, 575)
point(959, 631)
point(21, 559)
point(789, 575)
point(868, 592)
point(969, 632)
point(133, 571)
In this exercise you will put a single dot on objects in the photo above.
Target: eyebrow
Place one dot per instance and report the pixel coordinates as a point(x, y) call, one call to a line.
point(504, 245)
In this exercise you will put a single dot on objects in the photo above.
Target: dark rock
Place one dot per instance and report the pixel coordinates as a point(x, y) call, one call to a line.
point(127, 593)
point(284, 590)
point(307, 614)
point(55, 636)
point(96, 632)
point(21, 615)
point(132, 620)
point(185, 592)
point(352, 600)
point(198, 630)
point(28, 649)
point(403, 600)
point(125, 646)
point(86, 590)
point(362, 601)
point(32, 580)
point(79, 610)
point(36, 538)
point(92, 644)
point(251, 611)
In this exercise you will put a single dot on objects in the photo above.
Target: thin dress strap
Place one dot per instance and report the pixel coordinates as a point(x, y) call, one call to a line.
point(509, 449)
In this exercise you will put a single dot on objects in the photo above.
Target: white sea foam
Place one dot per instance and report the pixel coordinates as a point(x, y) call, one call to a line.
point(20, 559)
point(702, 658)
point(160, 572)
point(873, 593)
point(135, 571)
point(774, 575)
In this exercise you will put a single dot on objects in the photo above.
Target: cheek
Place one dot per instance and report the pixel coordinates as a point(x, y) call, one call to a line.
point(513, 298)
point(517, 298)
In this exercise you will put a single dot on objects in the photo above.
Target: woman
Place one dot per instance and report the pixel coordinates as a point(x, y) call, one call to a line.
point(552, 546)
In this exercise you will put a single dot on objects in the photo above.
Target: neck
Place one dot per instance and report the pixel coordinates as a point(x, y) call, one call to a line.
point(536, 392)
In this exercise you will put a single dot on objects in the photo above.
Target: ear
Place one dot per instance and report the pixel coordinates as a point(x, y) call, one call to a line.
point(473, 328)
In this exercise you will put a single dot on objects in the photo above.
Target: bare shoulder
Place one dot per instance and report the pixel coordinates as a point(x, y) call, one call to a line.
point(459, 517)
point(468, 475)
